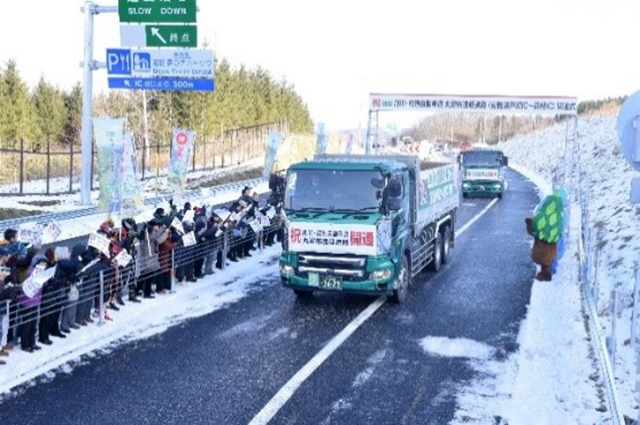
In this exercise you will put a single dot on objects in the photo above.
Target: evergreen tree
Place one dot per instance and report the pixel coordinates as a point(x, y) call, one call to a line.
point(51, 112)
point(16, 107)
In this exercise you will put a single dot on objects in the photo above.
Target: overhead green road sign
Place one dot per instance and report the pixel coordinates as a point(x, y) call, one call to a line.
point(159, 35)
point(139, 11)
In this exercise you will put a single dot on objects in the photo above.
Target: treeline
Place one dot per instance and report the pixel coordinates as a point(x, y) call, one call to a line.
point(460, 127)
point(243, 98)
point(590, 106)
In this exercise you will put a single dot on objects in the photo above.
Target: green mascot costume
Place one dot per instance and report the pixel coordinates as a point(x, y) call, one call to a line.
point(546, 228)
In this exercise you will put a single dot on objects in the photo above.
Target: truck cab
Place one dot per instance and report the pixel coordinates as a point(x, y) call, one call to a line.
point(483, 172)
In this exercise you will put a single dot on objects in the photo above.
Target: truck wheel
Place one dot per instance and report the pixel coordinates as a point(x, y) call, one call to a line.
point(499, 195)
point(436, 262)
point(465, 195)
point(303, 295)
point(446, 245)
point(404, 280)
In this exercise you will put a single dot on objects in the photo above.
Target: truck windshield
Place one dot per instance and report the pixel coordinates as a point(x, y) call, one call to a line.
point(482, 159)
point(333, 190)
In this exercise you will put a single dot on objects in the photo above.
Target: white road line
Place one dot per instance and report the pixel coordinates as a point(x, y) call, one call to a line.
point(476, 218)
point(286, 392)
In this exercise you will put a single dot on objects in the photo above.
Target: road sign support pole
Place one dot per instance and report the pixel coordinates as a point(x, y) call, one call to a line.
point(87, 105)
point(89, 65)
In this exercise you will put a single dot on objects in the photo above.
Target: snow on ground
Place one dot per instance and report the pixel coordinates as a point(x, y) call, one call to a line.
point(548, 380)
point(139, 321)
point(70, 202)
point(615, 223)
point(456, 347)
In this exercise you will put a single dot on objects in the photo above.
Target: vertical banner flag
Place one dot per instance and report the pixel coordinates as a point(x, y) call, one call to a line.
point(131, 196)
point(109, 136)
point(181, 148)
point(349, 146)
point(271, 152)
point(323, 140)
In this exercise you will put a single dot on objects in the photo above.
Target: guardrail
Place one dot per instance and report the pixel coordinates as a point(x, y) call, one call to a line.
point(605, 347)
point(85, 212)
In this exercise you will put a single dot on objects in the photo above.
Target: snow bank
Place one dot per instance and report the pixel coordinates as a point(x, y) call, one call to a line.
point(553, 377)
point(615, 222)
point(138, 321)
point(456, 347)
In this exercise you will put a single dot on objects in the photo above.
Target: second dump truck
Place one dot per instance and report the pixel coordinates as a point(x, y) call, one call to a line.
point(483, 172)
point(366, 224)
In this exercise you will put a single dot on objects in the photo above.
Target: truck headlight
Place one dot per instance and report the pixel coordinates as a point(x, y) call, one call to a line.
point(381, 274)
point(287, 271)
point(466, 185)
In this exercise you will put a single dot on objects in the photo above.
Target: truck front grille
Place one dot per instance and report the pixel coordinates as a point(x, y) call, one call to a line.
point(350, 268)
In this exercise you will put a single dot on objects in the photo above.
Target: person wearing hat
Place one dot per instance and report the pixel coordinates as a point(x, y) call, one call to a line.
point(159, 214)
point(9, 290)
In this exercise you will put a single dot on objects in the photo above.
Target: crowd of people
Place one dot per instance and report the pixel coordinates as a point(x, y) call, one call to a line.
point(49, 294)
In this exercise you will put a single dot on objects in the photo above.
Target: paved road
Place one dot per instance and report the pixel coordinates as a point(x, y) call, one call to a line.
point(224, 367)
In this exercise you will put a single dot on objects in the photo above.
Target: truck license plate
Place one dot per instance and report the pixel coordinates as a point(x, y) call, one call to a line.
point(331, 282)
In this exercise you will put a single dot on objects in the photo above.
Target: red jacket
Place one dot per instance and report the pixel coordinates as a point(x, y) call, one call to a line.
point(164, 254)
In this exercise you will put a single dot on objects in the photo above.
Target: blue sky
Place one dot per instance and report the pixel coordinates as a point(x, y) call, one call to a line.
point(335, 52)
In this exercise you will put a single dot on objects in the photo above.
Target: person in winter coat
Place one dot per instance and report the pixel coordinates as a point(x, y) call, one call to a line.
point(67, 272)
point(52, 299)
point(29, 308)
point(187, 207)
point(246, 195)
point(200, 221)
point(11, 243)
point(18, 263)
point(111, 284)
point(127, 243)
point(165, 246)
point(209, 241)
point(88, 284)
point(147, 262)
point(9, 291)
point(185, 256)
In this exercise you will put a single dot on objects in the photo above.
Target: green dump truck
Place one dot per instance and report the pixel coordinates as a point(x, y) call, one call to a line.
point(366, 224)
point(483, 172)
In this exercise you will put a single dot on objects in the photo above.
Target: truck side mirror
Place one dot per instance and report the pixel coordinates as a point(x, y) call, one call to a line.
point(395, 189)
point(505, 161)
point(395, 204)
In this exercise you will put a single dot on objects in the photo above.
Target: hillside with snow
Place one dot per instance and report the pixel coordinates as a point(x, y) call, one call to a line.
point(614, 221)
